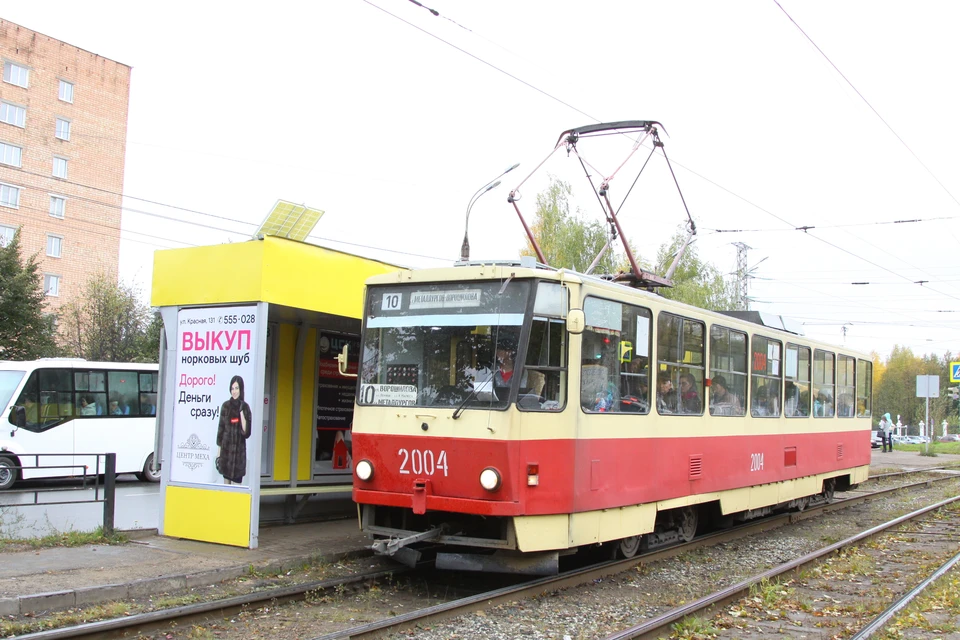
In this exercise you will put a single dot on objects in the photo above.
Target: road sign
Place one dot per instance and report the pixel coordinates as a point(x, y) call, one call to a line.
point(955, 372)
point(928, 386)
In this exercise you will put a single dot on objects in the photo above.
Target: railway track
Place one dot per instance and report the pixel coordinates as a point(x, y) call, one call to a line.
point(190, 614)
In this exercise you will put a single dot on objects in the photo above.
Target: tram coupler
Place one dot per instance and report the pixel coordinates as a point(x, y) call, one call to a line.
point(391, 546)
point(528, 564)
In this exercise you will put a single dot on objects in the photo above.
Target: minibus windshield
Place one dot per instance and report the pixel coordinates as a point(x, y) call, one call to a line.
point(8, 384)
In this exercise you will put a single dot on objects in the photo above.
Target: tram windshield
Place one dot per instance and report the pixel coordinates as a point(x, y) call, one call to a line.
point(443, 344)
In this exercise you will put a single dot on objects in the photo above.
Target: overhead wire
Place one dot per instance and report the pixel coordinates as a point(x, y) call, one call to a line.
point(770, 213)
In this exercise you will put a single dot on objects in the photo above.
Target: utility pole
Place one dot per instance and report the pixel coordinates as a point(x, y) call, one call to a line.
point(743, 303)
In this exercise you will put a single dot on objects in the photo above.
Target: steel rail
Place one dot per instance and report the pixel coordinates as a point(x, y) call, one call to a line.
point(881, 621)
point(586, 575)
point(226, 606)
point(653, 627)
point(154, 619)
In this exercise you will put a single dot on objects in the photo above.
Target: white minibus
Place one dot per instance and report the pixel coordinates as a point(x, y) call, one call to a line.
point(73, 407)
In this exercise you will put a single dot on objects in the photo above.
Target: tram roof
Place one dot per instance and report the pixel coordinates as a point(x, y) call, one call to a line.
point(528, 267)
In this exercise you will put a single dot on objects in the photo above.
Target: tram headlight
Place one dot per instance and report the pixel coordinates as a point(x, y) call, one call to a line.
point(490, 479)
point(364, 470)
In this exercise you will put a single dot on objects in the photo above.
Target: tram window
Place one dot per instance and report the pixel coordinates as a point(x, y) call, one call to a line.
point(615, 363)
point(545, 367)
point(864, 388)
point(823, 384)
point(765, 377)
point(680, 343)
point(728, 371)
point(845, 386)
point(796, 389)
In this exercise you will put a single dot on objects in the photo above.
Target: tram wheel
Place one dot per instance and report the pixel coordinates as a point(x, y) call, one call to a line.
point(688, 523)
point(829, 487)
point(628, 547)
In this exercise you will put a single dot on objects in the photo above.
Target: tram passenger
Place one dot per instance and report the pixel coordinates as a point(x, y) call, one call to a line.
point(722, 401)
point(666, 397)
point(689, 398)
point(845, 406)
point(791, 401)
point(765, 401)
point(506, 354)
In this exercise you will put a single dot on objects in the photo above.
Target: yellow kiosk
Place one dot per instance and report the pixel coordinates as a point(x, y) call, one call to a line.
point(252, 403)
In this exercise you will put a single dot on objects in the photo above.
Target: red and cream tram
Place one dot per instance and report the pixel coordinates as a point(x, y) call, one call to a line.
point(511, 413)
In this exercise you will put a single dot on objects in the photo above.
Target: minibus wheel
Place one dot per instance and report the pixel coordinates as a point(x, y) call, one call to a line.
point(9, 473)
point(148, 475)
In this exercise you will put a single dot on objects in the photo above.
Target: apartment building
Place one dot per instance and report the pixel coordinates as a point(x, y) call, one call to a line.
point(63, 129)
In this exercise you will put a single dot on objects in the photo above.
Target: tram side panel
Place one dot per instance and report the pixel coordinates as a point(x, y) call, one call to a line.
point(615, 472)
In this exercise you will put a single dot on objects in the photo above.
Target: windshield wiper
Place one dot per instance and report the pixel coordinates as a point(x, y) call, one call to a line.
point(473, 393)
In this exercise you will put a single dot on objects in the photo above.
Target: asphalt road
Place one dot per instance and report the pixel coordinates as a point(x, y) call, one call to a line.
point(26, 512)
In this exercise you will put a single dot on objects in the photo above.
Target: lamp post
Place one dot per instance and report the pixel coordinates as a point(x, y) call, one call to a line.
point(465, 247)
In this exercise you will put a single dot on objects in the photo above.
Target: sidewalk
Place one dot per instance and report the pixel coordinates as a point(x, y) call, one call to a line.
point(59, 578)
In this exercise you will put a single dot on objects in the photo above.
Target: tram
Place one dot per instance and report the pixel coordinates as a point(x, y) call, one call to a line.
point(509, 413)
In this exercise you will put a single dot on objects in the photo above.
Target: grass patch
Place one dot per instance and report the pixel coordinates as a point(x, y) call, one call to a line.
point(62, 539)
point(67, 618)
point(694, 628)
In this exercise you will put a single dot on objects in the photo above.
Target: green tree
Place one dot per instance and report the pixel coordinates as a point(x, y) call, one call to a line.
point(694, 281)
point(25, 333)
point(108, 322)
point(896, 391)
point(566, 239)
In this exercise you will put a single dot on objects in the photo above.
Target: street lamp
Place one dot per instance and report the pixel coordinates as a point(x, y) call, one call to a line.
point(465, 247)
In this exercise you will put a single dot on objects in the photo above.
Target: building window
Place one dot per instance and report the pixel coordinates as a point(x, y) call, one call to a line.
point(63, 129)
point(54, 246)
point(59, 167)
point(51, 285)
point(58, 206)
point(10, 154)
point(66, 91)
point(15, 74)
point(6, 235)
point(12, 114)
point(10, 196)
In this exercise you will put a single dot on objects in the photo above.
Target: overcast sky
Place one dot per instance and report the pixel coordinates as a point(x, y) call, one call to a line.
point(387, 117)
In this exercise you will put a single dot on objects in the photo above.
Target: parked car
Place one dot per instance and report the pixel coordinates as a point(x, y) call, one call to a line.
point(950, 437)
point(876, 440)
point(912, 440)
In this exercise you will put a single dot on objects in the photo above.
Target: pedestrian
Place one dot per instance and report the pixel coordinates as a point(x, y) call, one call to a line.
point(886, 432)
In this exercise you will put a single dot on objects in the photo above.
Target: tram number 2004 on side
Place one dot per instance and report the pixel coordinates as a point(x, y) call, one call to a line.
point(756, 462)
point(424, 462)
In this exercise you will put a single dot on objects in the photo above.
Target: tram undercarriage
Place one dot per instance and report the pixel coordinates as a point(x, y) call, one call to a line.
point(465, 542)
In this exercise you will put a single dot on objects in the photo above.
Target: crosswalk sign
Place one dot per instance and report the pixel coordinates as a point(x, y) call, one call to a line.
point(955, 372)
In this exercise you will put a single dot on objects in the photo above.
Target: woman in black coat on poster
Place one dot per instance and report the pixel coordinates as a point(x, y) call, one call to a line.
point(235, 419)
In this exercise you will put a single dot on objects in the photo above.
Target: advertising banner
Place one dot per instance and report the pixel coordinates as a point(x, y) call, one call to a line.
point(214, 411)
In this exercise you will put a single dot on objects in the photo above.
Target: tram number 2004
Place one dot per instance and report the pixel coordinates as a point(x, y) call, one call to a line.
point(422, 462)
point(756, 462)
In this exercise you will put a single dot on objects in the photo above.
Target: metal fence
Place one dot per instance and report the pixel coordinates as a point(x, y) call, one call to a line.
point(105, 492)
